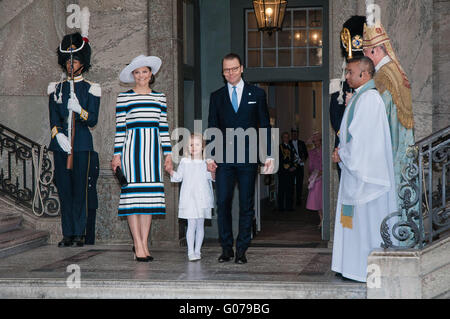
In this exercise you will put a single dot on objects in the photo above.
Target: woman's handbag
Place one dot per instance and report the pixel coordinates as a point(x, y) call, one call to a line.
point(120, 177)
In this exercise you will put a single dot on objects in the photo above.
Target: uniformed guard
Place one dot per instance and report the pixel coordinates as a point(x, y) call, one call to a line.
point(73, 108)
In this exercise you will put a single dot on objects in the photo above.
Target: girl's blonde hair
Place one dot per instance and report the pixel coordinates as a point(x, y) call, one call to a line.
point(194, 136)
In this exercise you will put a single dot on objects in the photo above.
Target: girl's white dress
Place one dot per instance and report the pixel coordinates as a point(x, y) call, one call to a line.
point(196, 194)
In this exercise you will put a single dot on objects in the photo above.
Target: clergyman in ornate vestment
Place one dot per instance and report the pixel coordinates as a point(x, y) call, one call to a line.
point(395, 90)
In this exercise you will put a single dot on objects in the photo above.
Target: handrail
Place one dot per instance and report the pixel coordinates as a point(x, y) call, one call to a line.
point(24, 164)
point(425, 208)
point(435, 136)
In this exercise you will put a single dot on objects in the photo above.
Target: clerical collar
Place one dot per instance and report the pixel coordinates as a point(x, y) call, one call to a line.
point(383, 62)
point(77, 78)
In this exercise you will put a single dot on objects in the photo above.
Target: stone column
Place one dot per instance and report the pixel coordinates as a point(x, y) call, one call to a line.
point(413, 45)
point(340, 11)
point(117, 33)
point(165, 39)
point(441, 64)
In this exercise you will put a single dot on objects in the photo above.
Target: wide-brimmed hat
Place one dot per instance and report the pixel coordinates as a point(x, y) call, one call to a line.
point(152, 62)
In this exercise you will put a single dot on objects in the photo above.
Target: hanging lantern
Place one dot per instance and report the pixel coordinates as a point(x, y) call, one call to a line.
point(269, 14)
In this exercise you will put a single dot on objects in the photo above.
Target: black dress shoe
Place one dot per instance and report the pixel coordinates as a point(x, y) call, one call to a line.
point(78, 241)
point(142, 259)
point(240, 258)
point(65, 242)
point(227, 254)
point(150, 258)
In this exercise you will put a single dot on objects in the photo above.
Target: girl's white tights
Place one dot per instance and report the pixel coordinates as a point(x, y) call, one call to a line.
point(194, 235)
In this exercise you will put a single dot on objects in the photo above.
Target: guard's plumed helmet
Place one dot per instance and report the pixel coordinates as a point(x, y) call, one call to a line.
point(355, 29)
point(81, 50)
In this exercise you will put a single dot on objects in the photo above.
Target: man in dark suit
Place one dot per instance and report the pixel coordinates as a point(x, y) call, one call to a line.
point(301, 155)
point(286, 174)
point(237, 105)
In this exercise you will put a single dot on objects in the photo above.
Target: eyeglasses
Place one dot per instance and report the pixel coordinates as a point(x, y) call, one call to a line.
point(232, 70)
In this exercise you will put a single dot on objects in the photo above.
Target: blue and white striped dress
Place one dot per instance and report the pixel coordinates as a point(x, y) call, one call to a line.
point(141, 128)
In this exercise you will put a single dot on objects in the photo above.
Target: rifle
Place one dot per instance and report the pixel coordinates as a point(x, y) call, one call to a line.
point(71, 118)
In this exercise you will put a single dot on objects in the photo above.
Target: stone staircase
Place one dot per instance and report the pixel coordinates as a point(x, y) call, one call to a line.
point(15, 235)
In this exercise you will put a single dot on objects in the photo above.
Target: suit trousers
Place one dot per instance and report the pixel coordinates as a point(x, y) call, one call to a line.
point(226, 177)
point(285, 190)
point(72, 192)
point(299, 173)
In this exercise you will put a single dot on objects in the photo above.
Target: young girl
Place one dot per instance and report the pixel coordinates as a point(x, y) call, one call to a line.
point(196, 195)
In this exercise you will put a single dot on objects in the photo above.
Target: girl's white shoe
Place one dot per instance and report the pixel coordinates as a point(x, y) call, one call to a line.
point(193, 257)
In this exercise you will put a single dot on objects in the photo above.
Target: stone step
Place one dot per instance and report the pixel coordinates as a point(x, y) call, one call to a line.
point(202, 289)
point(18, 240)
point(9, 221)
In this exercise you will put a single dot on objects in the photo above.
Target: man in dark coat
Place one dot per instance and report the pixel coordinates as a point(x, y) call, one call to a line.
point(301, 155)
point(237, 106)
point(286, 174)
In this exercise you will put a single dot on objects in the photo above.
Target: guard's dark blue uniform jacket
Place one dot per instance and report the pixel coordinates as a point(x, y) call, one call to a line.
point(337, 112)
point(88, 94)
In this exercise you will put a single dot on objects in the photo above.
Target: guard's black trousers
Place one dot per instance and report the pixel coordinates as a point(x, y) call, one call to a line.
point(72, 191)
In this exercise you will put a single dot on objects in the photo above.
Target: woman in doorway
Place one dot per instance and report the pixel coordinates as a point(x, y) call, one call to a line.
point(314, 201)
point(141, 129)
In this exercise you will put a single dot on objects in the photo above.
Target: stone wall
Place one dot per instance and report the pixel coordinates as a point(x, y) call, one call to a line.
point(441, 64)
point(410, 274)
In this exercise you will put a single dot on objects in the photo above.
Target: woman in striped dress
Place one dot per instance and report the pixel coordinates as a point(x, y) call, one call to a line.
point(141, 129)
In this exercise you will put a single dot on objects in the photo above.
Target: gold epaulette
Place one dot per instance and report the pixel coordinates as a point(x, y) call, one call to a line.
point(84, 114)
point(54, 131)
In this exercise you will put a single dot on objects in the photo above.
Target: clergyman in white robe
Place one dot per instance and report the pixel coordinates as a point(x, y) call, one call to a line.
point(367, 183)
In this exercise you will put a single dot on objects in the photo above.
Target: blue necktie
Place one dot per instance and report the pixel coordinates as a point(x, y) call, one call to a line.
point(234, 99)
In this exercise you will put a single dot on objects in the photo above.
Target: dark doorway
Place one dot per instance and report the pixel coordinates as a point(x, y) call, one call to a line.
point(292, 106)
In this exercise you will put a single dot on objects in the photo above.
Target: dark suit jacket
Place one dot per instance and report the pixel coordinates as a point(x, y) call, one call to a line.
point(286, 158)
point(302, 150)
point(252, 113)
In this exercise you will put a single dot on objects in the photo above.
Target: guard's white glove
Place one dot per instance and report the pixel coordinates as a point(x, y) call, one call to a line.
point(64, 142)
point(74, 105)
